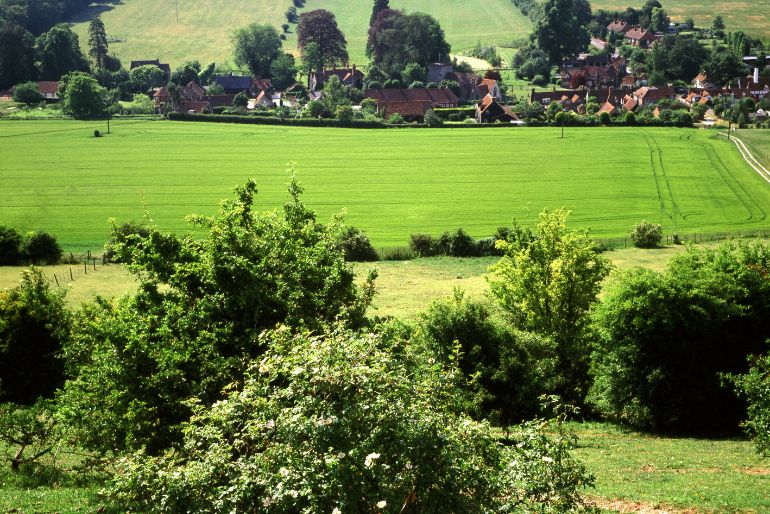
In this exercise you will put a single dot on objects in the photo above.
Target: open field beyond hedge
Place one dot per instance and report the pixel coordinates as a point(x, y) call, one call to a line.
point(749, 16)
point(55, 176)
point(148, 29)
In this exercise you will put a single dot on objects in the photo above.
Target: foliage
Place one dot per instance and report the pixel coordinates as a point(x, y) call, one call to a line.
point(283, 70)
point(357, 247)
point(27, 433)
point(256, 47)
point(195, 322)
point(320, 27)
point(59, 53)
point(723, 66)
point(547, 285)
point(505, 371)
point(432, 119)
point(396, 119)
point(140, 104)
point(646, 235)
point(186, 73)
point(558, 31)
point(348, 422)
point(41, 248)
point(666, 337)
point(83, 96)
point(10, 246)
point(17, 55)
point(241, 100)
point(379, 5)
point(27, 93)
point(123, 238)
point(754, 386)
point(34, 324)
point(97, 42)
point(147, 77)
point(397, 39)
point(677, 58)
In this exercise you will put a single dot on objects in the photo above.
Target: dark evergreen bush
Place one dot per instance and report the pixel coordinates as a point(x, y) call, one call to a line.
point(10, 246)
point(41, 248)
point(357, 246)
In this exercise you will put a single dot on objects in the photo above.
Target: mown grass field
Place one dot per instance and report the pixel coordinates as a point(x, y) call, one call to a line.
point(749, 16)
point(149, 29)
point(55, 176)
point(758, 142)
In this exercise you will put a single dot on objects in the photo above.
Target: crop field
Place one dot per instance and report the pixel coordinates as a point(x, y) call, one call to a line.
point(148, 29)
point(749, 16)
point(758, 142)
point(55, 176)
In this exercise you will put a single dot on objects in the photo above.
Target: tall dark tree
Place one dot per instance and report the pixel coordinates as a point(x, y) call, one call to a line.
point(379, 5)
point(17, 55)
point(256, 47)
point(558, 31)
point(97, 42)
point(397, 39)
point(723, 66)
point(320, 26)
point(283, 71)
point(59, 53)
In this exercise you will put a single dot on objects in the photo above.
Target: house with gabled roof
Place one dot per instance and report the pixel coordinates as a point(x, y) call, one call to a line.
point(640, 37)
point(490, 110)
point(411, 103)
point(619, 27)
point(348, 77)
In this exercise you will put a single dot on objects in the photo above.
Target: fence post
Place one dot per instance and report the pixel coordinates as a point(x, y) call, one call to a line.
point(56, 279)
point(85, 267)
point(94, 263)
point(71, 273)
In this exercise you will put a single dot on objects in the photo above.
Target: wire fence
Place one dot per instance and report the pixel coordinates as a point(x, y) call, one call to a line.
point(80, 265)
point(693, 238)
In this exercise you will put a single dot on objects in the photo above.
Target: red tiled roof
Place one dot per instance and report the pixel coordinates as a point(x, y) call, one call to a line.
point(618, 26)
point(407, 109)
point(48, 87)
point(435, 96)
point(640, 34)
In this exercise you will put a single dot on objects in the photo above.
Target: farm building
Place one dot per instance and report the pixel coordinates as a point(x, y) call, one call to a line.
point(411, 103)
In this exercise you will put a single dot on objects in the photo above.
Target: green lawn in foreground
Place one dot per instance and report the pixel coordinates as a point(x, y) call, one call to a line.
point(55, 176)
point(749, 16)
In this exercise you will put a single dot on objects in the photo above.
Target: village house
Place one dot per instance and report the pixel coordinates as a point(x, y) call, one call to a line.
point(411, 103)
point(592, 71)
point(348, 76)
point(490, 110)
point(438, 71)
point(165, 67)
point(618, 27)
point(48, 88)
point(192, 98)
point(640, 37)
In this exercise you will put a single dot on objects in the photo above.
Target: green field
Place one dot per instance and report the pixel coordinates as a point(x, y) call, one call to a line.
point(749, 16)
point(56, 176)
point(149, 29)
point(758, 142)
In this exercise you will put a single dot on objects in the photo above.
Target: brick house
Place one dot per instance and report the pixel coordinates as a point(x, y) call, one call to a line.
point(412, 103)
point(348, 76)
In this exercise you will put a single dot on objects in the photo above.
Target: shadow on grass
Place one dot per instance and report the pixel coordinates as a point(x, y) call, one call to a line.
point(94, 9)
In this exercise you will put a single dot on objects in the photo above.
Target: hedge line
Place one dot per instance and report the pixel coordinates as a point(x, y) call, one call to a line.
point(262, 120)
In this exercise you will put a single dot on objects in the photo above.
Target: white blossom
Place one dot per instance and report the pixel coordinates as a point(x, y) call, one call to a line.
point(370, 459)
point(336, 511)
point(381, 504)
point(547, 459)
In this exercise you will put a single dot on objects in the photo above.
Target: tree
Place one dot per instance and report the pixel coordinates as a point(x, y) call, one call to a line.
point(283, 71)
point(320, 27)
point(718, 26)
point(41, 248)
point(186, 73)
point(97, 41)
point(10, 247)
point(147, 77)
point(34, 324)
point(206, 74)
point(548, 286)
point(754, 386)
point(256, 47)
point(677, 58)
point(397, 39)
point(17, 55)
point(83, 97)
point(27, 93)
point(216, 89)
point(646, 235)
point(659, 20)
point(413, 72)
point(379, 5)
point(196, 321)
point(241, 100)
point(558, 32)
point(59, 53)
point(723, 66)
point(666, 338)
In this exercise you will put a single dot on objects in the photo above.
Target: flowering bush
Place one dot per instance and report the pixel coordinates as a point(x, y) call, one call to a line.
point(347, 423)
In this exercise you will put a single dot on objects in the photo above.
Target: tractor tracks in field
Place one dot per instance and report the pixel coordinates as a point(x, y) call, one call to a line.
point(749, 157)
point(668, 206)
point(753, 209)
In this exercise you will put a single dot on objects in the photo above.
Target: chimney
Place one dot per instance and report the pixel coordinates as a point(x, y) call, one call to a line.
point(756, 75)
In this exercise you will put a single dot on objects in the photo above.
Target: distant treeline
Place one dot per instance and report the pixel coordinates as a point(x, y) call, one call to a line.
point(37, 16)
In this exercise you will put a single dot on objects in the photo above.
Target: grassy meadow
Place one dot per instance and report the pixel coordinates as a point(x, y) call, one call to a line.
point(758, 142)
point(749, 16)
point(149, 29)
point(56, 176)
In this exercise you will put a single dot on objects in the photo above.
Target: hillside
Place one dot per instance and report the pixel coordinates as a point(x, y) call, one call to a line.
point(748, 16)
point(147, 29)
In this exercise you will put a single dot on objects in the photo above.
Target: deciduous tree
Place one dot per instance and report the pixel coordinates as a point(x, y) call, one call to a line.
point(558, 31)
point(320, 27)
point(59, 53)
point(256, 47)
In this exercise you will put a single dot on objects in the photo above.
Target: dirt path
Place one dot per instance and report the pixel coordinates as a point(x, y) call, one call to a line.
point(749, 157)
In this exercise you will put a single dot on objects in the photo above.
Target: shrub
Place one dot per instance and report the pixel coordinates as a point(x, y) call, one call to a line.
point(347, 423)
point(422, 245)
point(604, 118)
point(41, 248)
point(344, 113)
point(646, 235)
point(754, 386)
point(432, 119)
point(10, 246)
point(123, 239)
point(505, 371)
point(357, 247)
point(395, 119)
point(193, 326)
point(462, 245)
point(27, 93)
point(666, 337)
point(34, 324)
point(27, 433)
point(630, 118)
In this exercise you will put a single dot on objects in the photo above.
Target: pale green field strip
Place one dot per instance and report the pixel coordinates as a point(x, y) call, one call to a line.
point(758, 142)
point(55, 176)
point(750, 16)
point(149, 29)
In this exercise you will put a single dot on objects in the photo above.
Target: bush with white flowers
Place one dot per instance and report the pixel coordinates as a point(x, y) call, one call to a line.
point(346, 423)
